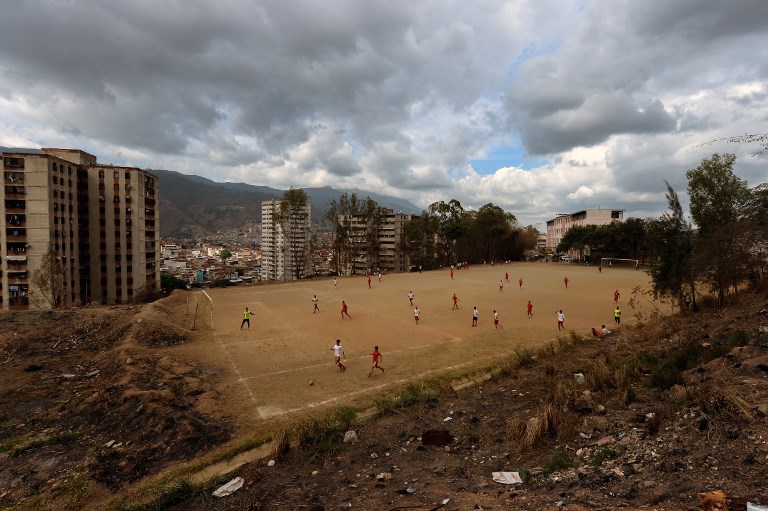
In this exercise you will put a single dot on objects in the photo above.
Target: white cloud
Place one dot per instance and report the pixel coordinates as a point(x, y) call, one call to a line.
point(611, 96)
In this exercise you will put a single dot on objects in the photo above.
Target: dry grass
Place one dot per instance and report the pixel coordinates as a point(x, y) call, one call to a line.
point(548, 423)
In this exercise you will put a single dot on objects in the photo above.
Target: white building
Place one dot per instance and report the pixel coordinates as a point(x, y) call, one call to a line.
point(559, 226)
point(285, 248)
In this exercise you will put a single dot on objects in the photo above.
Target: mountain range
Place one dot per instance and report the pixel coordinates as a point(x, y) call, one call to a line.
point(190, 203)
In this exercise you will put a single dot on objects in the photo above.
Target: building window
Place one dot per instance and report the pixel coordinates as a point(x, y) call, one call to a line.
point(101, 174)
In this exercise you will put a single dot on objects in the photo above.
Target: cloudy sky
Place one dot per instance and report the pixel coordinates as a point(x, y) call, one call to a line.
point(539, 106)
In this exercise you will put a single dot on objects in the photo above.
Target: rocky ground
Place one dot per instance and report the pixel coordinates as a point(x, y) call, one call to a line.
point(91, 403)
point(665, 412)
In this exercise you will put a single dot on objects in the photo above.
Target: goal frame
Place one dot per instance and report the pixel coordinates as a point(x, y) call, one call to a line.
point(608, 260)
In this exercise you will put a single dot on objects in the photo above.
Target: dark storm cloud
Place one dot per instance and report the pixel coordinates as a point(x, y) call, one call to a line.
point(398, 96)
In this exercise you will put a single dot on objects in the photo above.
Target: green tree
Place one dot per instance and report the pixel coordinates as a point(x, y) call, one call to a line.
point(451, 225)
point(48, 282)
point(757, 213)
point(718, 206)
point(293, 217)
point(671, 241)
point(224, 254)
point(492, 224)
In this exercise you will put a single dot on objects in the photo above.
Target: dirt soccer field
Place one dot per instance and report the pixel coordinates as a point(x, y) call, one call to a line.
point(267, 369)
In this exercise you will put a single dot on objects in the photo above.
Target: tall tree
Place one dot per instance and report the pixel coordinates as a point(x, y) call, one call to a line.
point(293, 217)
point(670, 239)
point(718, 206)
point(48, 284)
point(492, 225)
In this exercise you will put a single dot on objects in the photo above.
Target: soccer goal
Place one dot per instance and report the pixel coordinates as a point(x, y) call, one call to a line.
point(610, 262)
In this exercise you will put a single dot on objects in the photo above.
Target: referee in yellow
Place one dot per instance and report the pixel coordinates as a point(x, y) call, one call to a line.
point(246, 318)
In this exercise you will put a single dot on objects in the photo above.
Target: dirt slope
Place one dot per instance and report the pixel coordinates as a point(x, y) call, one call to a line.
point(89, 403)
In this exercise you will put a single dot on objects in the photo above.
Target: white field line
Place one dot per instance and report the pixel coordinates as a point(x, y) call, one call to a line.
point(363, 357)
point(235, 366)
point(377, 387)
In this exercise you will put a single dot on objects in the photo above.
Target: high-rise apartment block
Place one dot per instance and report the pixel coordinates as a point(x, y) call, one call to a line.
point(285, 247)
point(100, 221)
point(378, 241)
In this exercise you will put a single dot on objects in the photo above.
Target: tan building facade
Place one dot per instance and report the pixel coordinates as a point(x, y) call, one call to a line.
point(382, 249)
point(101, 222)
point(559, 226)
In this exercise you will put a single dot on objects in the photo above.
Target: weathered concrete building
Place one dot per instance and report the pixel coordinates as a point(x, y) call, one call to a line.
point(101, 223)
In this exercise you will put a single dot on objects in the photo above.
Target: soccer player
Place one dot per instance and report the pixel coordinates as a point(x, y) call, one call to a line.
point(410, 297)
point(501, 286)
point(416, 313)
point(335, 283)
point(565, 280)
point(560, 320)
point(369, 282)
point(520, 282)
point(617, 315)
point(376, 359)
point(344, 310)
point(506, 276)
point(474, 316)
point(616, 296)
point(338, 353)
point(246, 319)
point(455, 302)
point(314, 302)
point(496, 320)
point(530, 309)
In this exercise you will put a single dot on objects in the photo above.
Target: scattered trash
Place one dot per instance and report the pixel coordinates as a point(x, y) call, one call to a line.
point(407, 491)
point(384, 476)
point(229, 488)
point(579, 377)
point(438, 437)
point(560, 503)
point(448, 419)
point(109, 444)
point(507, 477)
point(271, 463)
point(92, 373)
point(31, 368)
point(68, 376)
point(374, 455)
point(314, 472)
point(350, 437)
point(755, 507)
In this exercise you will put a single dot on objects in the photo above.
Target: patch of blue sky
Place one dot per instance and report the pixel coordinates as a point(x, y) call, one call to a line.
point(533, 50)
point(504, 156)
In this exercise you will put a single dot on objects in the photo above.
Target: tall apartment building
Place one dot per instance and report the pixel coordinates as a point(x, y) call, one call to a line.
point(558, 226)
point(284, 246)
point(382, 249)
point(102, 223)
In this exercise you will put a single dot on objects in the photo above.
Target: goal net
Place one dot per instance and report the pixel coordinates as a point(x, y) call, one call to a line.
point(610, 262)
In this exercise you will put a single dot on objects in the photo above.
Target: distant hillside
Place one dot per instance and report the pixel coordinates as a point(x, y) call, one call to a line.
point(191, 203)
point(188, 201)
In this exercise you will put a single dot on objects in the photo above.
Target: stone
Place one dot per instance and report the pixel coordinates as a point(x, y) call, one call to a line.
point(384, 476)
point(350, 437)
point(656, 495)
point(271, 463)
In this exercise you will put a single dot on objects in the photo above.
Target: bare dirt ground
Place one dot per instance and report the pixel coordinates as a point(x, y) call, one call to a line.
point(288, 345)
point(666, 411)
point(94, 401)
